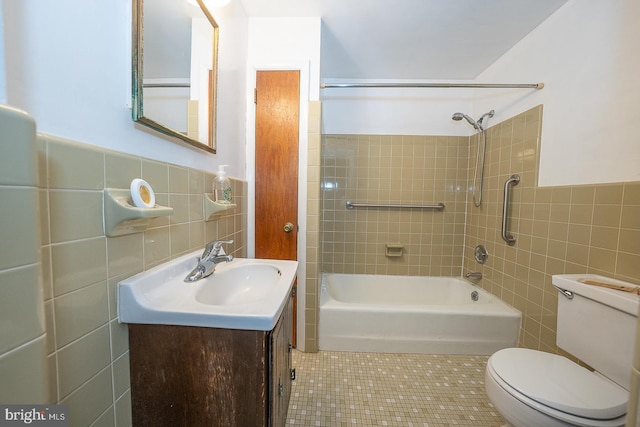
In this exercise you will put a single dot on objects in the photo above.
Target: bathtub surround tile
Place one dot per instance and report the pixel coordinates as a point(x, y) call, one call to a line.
point(571, 229)
point(566, 229)
point(392, 170)
point(86, 346)
point(370, 389)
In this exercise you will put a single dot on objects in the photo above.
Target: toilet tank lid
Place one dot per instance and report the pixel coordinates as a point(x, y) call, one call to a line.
point(623, 301)
point(558, 383)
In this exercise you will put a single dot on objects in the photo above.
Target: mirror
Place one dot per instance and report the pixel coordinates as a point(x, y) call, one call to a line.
point(174, 54)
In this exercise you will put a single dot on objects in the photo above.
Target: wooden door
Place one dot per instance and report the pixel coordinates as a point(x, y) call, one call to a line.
point(276, 175)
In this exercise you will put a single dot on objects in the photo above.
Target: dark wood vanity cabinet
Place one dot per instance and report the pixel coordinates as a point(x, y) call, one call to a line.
point(193, 376)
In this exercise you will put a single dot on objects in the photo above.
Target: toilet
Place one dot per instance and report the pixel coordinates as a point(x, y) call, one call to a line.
point(597, 325)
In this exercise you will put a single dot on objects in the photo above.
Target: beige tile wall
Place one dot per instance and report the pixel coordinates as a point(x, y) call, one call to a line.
point(313, 262)
point(393, 170)
point(572, 229)
point(87, 347)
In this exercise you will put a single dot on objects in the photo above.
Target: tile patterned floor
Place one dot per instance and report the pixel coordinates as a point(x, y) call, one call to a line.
point(334, 389)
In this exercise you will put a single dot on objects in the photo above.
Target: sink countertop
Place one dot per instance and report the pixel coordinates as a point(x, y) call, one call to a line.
point(160, 296)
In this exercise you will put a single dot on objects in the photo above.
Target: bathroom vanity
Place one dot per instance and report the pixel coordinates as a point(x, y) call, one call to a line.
point(201, 376)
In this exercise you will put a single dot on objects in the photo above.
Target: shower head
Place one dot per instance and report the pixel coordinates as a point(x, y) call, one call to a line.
point(460, 116)
point(487, 116)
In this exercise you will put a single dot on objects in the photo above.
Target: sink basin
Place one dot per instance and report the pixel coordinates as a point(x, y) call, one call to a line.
point(242, 294)
point(240, 284)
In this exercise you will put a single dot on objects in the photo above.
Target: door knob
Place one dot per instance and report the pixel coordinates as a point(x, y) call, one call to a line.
point(288, 227)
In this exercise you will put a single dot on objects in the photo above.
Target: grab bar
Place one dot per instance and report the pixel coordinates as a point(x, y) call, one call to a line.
point(438, 206)
point(513, 180)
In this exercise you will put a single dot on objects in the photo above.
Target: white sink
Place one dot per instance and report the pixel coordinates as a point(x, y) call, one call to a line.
point(241, 294)
point(240, 284)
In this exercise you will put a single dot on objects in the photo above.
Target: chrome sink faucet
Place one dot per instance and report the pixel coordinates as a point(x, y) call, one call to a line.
point(209, 260)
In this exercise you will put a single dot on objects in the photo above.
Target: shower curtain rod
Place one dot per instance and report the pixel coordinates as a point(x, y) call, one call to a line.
point(431, 85)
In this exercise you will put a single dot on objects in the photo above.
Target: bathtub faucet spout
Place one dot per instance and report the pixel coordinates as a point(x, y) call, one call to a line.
point(474, 276)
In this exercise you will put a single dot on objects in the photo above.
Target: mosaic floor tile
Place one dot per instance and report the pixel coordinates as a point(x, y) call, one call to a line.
point(335, 389)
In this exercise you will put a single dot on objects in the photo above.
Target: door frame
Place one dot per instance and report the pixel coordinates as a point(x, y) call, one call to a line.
point(303, 146)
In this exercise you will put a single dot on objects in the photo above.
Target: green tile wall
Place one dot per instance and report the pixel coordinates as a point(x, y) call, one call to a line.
point(87, 347)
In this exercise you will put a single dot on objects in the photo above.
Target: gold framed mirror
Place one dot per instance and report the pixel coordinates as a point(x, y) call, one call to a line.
point(174, 69)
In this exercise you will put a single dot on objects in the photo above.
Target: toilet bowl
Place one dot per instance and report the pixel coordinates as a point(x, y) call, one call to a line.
point(532, 388)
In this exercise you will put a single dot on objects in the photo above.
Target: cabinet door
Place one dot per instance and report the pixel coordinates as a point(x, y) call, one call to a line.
point(281, 367)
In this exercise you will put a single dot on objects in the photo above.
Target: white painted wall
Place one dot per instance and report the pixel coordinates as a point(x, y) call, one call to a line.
point(68, 63)
point(285, 44)
point(587, 55)
point(387, 111)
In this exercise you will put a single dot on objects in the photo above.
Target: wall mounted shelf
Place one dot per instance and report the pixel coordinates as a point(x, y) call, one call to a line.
point(121, 217)
point(212, 209)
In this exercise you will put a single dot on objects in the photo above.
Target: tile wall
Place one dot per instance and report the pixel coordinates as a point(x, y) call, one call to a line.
point(393, 170)
point(570, 229)
point(313, 262)
point(23, 339)
point(87, 348)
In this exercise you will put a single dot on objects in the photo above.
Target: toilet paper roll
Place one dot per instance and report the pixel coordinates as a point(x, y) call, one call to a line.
point(142, 194)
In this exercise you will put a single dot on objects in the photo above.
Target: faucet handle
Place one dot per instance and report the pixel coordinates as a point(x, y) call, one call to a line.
point(218, 243)
point(212, 248)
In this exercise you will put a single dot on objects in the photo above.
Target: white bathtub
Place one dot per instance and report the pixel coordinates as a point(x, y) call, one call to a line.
point(411, 314)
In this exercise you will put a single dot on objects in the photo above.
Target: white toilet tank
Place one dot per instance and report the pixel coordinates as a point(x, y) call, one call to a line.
point(597, 325)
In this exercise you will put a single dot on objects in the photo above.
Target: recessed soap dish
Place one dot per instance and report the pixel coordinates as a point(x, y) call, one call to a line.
point(393, 249)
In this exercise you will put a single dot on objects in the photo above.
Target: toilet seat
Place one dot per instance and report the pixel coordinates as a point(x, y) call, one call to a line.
point(555, 386)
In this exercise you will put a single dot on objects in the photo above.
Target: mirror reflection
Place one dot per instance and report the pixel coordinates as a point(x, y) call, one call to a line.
point(175, 46)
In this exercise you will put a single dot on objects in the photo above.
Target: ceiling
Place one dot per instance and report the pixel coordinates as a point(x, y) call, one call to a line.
point(412, 39)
